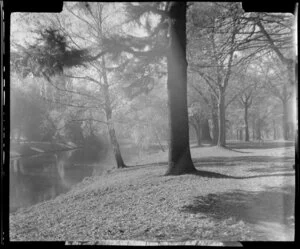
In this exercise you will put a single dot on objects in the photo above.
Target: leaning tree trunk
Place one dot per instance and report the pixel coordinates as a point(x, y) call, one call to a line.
point(222, 122)
point(110, 125)
point(205, 132)
point(113, 139)
point(180, 160)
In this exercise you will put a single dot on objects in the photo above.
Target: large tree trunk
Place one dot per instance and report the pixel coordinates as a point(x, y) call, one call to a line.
point(205, 132)
point(180, 160)
point(246, 124)
point(110, 125)
point(222, 121)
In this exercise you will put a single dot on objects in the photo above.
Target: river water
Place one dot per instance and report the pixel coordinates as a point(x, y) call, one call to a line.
point(38, 178)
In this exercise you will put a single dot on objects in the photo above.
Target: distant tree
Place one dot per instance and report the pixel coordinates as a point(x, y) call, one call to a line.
point(56, 51)
point(28, 111)
point(216, 52)
point(246, 101)
point(249, 85)
point(275, 76)
point(200, 109)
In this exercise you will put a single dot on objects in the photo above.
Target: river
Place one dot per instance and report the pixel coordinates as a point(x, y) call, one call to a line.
point(42, 177)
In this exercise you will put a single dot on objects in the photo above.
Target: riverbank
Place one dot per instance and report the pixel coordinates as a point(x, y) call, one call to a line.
point(245, 195)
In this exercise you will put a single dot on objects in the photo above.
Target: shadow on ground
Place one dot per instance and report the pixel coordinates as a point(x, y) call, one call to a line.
point(257, 145)
point(243, 161)
point(275, 164)
point(274, 205)
point(209, 174)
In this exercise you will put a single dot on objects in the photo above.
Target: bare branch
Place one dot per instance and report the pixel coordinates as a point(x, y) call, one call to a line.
point(89, 119)
point(84, 78)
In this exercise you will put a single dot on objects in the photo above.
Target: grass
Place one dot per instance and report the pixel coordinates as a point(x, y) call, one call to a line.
point(235, 196)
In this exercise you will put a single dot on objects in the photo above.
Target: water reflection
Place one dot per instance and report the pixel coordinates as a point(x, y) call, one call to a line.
point(39, 178)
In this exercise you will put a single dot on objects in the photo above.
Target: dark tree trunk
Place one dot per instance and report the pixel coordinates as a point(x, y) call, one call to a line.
point(246, 124)
point(222, 124)
point(114, 141)
point(180, 160)
point(205, 132)
point(116, 147)
point(110, 125)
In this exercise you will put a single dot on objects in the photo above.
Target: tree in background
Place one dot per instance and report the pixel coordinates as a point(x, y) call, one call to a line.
point(200, 109)
point(58, 51)
point(214, 51)
point(275, 76)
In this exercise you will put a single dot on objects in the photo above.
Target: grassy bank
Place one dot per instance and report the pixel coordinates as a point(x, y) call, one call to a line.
point(239, 195)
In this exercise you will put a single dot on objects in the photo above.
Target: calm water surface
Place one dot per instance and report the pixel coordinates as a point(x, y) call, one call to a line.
point(38, 178)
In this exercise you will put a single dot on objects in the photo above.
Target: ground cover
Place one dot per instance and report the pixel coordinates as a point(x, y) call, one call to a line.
point(237, 195)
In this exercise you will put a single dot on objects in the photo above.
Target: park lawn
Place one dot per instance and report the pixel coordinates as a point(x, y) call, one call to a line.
point(238, 196)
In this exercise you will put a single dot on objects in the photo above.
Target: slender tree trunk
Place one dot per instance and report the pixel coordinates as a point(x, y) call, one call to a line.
point(285, 120)
point(215, 128)
point(110, 125)
point(197, 129)
point(253, 129)
point(180, 160)
point(205, 132)
point(241, 134)
point(258, 130)
point(215, 120)
point(222, 124)
point(246, 124)
point(274, 131)
point(158, 140)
